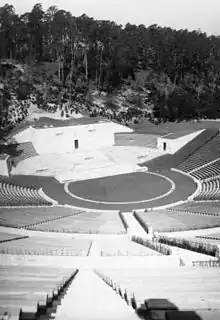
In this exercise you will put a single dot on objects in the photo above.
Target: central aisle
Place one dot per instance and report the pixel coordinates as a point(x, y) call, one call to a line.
point(89, 298)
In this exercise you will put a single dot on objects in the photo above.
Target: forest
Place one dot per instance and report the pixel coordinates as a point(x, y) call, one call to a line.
point(60, 61)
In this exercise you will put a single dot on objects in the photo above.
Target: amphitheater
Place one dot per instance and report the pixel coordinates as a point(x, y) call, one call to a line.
point(99, 221)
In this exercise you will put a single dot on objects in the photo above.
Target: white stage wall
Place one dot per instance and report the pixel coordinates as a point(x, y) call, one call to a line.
point(72, 138)
point(173, 145)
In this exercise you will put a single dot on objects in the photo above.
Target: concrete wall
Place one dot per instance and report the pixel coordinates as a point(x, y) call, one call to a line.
point(62, 139)
point(4, 167)
point(25, 135)
point(173, 145)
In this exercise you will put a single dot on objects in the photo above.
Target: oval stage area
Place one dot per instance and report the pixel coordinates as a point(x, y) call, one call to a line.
point(138, 190)
point(121, 189)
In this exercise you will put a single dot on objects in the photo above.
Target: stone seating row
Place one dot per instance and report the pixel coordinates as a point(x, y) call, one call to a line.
point(31, 292)
point(207, 153)
point(14, 195)
point(209, 171)
point(153, 294)
point(174, 220)
point(210, 190)
point(206, 208)
point(46, 246)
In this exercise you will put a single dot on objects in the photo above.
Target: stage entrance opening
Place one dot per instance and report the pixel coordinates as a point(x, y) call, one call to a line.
point(164, 146)
point(76, 144)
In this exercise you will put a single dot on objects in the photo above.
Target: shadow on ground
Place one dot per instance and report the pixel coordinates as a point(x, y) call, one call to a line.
point(163, 309)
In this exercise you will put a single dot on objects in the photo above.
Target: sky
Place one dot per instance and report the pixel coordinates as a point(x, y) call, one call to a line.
point(178, 14)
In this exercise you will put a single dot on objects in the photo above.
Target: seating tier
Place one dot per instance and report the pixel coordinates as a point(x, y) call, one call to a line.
point(210, 190)
point(174, 220)
point(14, 195)
point(210, 170)
point(209, 208)
point(170, 287)
point(207, 153)
point(26, 287)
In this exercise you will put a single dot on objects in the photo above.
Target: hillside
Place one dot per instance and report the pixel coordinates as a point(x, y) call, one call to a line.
point(79, 65)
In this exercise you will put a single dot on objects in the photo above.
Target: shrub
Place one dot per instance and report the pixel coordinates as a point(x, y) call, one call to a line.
point(153, 245)
point(199, 247)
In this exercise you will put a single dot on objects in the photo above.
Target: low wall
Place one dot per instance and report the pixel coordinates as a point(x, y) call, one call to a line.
point(5, 166)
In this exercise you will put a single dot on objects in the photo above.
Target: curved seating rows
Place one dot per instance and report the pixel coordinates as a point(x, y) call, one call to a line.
point(203, 208)
point(210, 190)
point(14, 195)
point(207, 153)
point(211, 170)
point(175, 220)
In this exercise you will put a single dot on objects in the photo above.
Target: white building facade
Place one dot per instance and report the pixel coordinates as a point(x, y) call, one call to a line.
point(69, 139)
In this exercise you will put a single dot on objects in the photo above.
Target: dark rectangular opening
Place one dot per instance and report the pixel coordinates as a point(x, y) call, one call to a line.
point(76, 144)
point(164, 146)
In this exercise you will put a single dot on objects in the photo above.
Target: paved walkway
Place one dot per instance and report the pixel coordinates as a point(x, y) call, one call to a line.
point(185, 186)
point(134, 227)
point(89, 298)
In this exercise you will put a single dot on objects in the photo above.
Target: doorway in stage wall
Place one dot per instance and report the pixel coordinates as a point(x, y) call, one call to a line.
point(164, 146)
point(76, 144)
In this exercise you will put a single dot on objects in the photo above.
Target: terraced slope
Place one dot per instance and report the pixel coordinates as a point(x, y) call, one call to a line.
point(171, 220)
point(86, 222)
point(29, 291)
point(170, 287)
point(15, 195)
point(209, 151)
point(47, 246)
point(209, 208)
point(210, 190)
point(29, 217)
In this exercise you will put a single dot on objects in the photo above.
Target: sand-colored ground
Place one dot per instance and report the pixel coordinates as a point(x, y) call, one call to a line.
point(87, 165)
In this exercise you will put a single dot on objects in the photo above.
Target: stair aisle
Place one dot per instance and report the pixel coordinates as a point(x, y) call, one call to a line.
point(89, 298)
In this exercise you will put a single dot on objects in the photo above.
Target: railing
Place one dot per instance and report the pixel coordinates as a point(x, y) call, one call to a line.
point(128, 297)
point(209, 263)
point(43, 252)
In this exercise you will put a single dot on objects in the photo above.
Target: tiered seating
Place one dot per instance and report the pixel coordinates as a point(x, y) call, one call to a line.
point(123, 247)
point(211, 170)
point(171, 220)
point(47, 246)
point(29, 217)
point(209, 152)
point(210, 190)
point(209, 208)
point(14, 195)
point(174, 288)
point(5, 237)
point(25, 150)
point(213, 237)
point(86, 222)
point(31, 289)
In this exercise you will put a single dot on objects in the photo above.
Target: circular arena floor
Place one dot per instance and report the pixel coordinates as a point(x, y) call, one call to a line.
point(139, 190)
point(133, 188)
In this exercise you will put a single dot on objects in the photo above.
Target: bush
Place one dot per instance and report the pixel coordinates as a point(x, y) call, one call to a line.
point(153, 245)
point(204, 248)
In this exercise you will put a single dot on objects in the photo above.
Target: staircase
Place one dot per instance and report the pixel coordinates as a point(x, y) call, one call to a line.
point(89, 298)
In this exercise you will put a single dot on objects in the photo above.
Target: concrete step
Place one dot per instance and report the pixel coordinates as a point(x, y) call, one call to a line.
point(90, 298)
